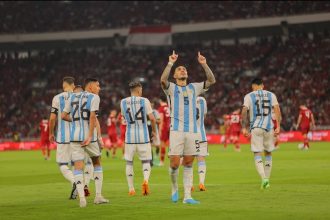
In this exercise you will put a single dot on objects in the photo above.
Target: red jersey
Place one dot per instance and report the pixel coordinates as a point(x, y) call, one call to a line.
point(235, 122)
point(111, 123)
point(306, 117)
point(44, 128)
point(164, 109)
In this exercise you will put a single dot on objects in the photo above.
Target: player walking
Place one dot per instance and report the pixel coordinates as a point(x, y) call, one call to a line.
point(63, 151)
point(259, 103)
point(135, 110)
point(305, 123)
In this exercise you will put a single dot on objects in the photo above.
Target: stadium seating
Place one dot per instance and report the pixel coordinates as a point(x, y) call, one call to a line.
point(295, 70)
point(45, 16)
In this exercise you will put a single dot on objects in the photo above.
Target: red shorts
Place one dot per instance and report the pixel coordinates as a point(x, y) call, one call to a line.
point(235, 133)
point(304, 130)
point(44, 143)
point(113, 138)
point(165, 135)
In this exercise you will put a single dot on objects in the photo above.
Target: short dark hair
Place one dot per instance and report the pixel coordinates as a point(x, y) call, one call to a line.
point(68, 79)
point(89, 80)
point(132, 85)
point(257, 81)
point(78, 87)
point(163, 98)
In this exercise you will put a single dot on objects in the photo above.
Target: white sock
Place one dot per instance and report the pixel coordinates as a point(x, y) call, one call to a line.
point(260, 166)
point(146, 168)
point(187, 179)
point(174, 173)
point(268, 166)
point(130, 175)
point(67, 173)
point(88, 173)
point(98, 179)
point(201, 171)
point(79, 180)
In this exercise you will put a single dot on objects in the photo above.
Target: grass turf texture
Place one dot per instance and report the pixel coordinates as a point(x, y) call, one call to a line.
point(31, 188)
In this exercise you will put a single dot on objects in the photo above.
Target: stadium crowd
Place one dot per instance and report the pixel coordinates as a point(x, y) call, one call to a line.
point(45, 16)
point(296, 70)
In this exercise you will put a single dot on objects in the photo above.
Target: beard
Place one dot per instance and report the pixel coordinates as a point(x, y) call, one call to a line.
point(183, 78)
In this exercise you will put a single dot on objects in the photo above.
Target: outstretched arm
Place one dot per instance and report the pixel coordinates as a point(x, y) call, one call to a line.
point(166, 73)
point(210, 79)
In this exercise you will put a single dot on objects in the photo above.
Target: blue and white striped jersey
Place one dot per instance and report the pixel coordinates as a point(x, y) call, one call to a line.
point(80, 106)
point(135, 111)
point(63, 127)
point(201, 112)
point(260, 104)
point(182, 102)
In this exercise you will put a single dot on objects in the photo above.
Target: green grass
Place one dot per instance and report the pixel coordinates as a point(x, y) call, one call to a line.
point(31, 188)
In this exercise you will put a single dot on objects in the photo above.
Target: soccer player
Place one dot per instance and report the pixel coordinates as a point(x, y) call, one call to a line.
point(259, 103)
point(155, 139)
point(44, 138)
point(235, 128)
point(135, 110)
point(226, 120)
point(305, 122)
point(88, 169)
point(122, 122)
point(164, 127)
point(112, 132)
point(63, 151)
point(184, 137)
point(201, 113)
point(83, 109)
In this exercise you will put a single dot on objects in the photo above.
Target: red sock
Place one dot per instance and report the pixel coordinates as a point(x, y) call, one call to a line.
point(162, 154)
point(306, 142)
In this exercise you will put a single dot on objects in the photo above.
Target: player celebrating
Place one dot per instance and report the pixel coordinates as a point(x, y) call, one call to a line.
point(259, 103)
point(164, 127)
point(44, 138)
point(305, 122)
point(184, 139)
point(135, 110)
point(83, 108)
point(235, 128)
point(63, 151)
point(112, 132)
point(201, 113)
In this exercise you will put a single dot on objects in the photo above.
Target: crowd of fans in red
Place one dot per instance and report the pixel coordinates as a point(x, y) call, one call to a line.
point(296, 70)
point(45, 16)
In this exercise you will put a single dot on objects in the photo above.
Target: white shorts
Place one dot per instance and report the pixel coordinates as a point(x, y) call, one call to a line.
point(79, 153)
point(261, 140)
point(204, 151)
point(184, 143)
point(63, 153)
point(143, 151)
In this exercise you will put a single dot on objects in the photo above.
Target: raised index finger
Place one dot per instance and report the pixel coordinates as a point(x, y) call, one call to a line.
point(199, 53)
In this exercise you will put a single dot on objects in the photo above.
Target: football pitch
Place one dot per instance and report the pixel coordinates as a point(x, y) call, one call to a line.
point(32, 188)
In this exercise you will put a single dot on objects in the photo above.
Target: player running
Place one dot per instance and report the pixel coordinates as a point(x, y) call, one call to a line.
point(201, 113)
point(164, 127)
point(184, 137)
point(112, 132)
point(259, 103)
point(44, 138)
point(235, 128)
point(135, 110)
point(63, 150)
point(83, 108)
point(305, 123)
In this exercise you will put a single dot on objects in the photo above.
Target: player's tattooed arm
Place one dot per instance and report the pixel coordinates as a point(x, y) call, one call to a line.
point(245, 122)
point(153, 124)
point(166, 73)
point(52, 120)
point(210, 79)
point(278, 117)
